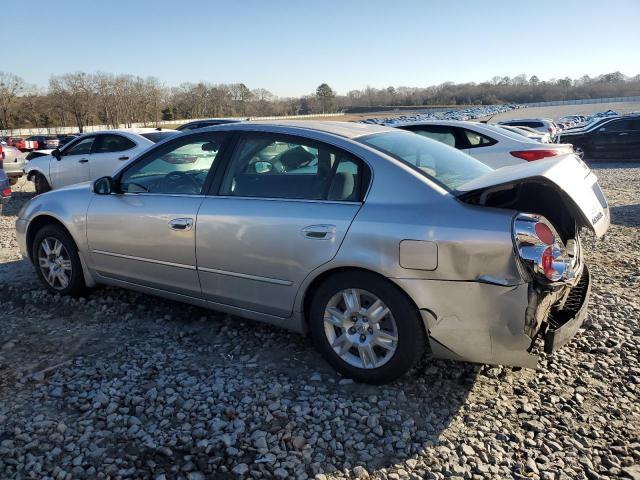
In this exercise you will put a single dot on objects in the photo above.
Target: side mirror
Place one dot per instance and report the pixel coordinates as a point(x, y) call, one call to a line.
point(104, 186)
point(56, 154)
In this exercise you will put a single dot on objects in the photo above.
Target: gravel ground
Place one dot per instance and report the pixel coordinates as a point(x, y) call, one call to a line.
point(123, 385)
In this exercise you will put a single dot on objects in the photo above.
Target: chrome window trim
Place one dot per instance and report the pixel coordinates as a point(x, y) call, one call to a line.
point(276, 199)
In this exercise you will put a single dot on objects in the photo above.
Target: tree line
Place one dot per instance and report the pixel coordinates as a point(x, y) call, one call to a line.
point(83, 99)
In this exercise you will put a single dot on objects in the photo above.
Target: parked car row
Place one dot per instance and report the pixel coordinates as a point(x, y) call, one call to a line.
point(606, 138)
point(377, 241)
point(90, 156)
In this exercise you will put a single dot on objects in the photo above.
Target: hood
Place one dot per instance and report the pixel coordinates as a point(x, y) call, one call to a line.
point(535, 184)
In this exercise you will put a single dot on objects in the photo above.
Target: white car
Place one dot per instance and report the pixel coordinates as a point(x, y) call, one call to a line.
point(544, 125)
point(91, 156)
point(12, 161)
point(492, 145)
point(529, 133)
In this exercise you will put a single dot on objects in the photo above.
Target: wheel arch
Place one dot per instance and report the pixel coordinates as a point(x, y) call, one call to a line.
point(38, 223)
point(45, 219)
point(324, 275)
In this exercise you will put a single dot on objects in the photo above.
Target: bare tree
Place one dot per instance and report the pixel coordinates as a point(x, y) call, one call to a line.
point(10, 87)
point(75, 92)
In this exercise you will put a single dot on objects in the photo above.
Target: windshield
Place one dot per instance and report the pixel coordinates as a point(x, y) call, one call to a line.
point(156, 137)
point(446, 165)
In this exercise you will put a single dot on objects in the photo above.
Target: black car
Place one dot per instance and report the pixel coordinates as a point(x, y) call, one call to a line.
point(209, 122)
point(64, 139)
point(615, 138)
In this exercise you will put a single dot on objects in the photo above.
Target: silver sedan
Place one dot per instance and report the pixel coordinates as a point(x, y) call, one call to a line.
point(378, 242)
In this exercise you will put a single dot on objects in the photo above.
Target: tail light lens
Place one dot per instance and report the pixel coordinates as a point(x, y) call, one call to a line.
point(540, 248)
point(532, 155)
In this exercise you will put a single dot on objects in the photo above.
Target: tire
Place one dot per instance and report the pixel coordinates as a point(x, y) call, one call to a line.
point(63, 260)
point(40, 183)
point(581, 151)
point(356, 350)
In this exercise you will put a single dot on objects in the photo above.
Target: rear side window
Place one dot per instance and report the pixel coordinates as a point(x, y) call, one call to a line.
point(275, 166)
point(112, 143)
point(476, 139)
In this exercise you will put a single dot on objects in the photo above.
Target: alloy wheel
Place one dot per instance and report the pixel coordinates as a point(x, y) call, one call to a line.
point(360, 328)
point(55, 263)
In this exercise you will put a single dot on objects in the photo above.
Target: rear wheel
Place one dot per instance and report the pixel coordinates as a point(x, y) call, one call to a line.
point(366, 327)
point(57, 262)
point(40, 183)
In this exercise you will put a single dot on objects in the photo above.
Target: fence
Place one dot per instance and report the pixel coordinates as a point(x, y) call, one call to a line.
point(95, 128)
point(585, 101)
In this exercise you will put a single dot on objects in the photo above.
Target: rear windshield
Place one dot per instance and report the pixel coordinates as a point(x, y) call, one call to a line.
point(511, 134)
point(445, 165)
point(156, 137)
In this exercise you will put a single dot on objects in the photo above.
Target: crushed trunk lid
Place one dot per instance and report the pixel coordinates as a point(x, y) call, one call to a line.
point(575, 181)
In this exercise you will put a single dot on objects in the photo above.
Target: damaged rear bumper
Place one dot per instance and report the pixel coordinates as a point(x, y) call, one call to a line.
point(564, 321)
point(494, 324)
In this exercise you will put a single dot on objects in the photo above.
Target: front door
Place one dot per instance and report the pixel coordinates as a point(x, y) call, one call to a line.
point(73, 165)
point(284, 207)
point(146, 234)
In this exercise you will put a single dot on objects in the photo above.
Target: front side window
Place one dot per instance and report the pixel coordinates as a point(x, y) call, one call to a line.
point(82, 147)
point(180, 168)
point(271, 166)
point(447, 166)
point(109, 143)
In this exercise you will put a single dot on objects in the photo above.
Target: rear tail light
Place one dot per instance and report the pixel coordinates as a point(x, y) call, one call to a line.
point(532, 155)
point(541, 250)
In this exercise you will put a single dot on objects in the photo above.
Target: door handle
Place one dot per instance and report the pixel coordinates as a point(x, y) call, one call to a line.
point(83, 160)
point(623, 133)
point(319, 232)
point(181, 224)
point(123, 158)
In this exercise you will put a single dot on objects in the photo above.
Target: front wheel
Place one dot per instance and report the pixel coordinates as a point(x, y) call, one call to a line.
point(57, 262)
point(40, 183)
point(366, 327)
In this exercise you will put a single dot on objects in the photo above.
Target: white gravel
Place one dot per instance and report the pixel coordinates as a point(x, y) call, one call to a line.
point(123, 385)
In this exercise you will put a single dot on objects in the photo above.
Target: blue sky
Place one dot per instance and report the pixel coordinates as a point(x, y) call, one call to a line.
point(289, 47)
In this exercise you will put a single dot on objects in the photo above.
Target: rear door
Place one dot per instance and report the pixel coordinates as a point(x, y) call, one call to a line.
point(284, 206)
point(110, 151)
point(73, 165)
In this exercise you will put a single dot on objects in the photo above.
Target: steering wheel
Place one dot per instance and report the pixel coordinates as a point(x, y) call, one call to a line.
point(179, 182)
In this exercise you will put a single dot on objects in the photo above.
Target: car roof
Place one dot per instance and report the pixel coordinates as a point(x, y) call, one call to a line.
point(342, 129)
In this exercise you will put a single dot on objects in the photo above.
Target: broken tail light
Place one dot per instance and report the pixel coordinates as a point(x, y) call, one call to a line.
point(540, 248)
